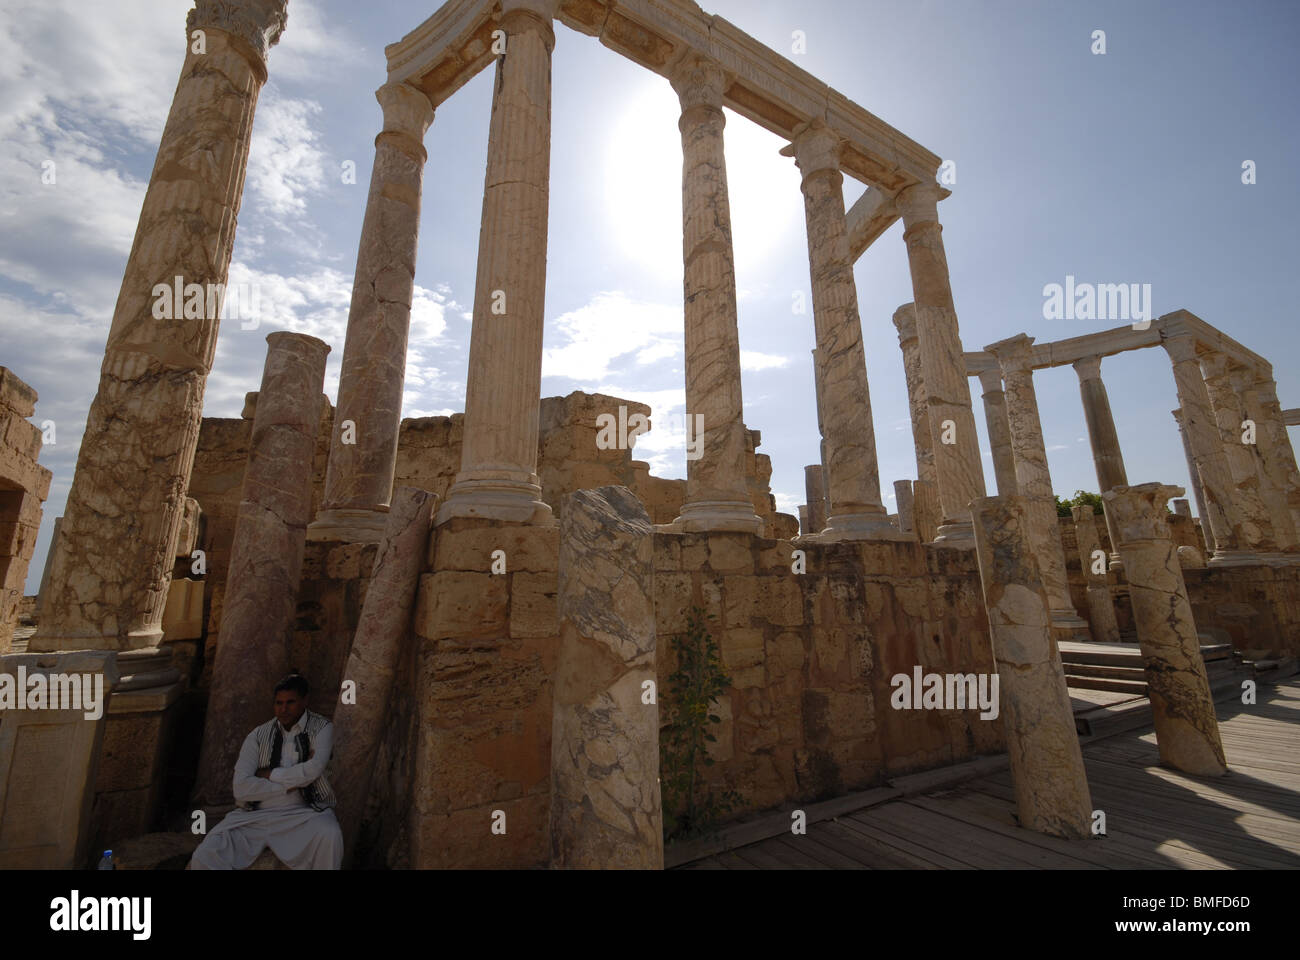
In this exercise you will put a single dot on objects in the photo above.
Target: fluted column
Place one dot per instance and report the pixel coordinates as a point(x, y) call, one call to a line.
point(1182, 708)
point(1194, 475)
point(498, 469)
point(1226, 524)
point(1101, 606)
point(1229, 414)
point(716, 495)
point(363, 450)
point(1034, 481)
point(995, 413)
point(853, 481)
point(1274, 441)
point(112, 562)
point(1107, 457)
point(925, 491)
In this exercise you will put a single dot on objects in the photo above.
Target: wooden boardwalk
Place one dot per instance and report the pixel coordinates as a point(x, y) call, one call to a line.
point(1156, 818)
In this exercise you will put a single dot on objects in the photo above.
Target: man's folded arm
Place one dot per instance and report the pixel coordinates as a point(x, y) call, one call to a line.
point(304, 773)
point(248, 786)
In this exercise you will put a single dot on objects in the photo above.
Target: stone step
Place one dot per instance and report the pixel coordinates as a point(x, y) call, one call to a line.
point(1105, 672)
point(1102, 683)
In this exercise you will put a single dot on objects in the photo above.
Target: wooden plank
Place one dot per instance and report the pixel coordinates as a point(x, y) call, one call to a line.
point(873, 855)
point(795, 853)
point(827, 852)
point(888, 824)
point(758, 855)
point(732, 862)
point(923, 856)
point(992, 848)
point(1159, 782)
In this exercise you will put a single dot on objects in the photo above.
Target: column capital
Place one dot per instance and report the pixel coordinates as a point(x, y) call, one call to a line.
point(815, 147)
point(1180, 349)
point(523, 15)
point(920, 202)
point(699, 81)
point(1088, 368)
point(259, 23)
point(406, 110)
point(1138, 512)
point(991, 380)
point(542, 9)
point(1013, 354)
point(905, 322)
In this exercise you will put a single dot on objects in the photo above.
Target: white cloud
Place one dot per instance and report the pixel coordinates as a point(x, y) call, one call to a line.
point(612, 325)
point(753, 360)
point(285, 162)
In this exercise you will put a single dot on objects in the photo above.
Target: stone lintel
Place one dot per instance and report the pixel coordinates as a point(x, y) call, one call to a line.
point(873, 214)
point(1291, 417)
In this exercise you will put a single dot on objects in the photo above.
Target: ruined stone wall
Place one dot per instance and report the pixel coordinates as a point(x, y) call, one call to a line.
point(24, 485)
point(1258, 608)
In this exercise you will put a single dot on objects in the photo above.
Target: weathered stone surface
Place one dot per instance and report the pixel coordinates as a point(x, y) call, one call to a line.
point(1101, 608)
point(995, 414)
point(906, 507)
point(918, 403)
point(1187, 731)
point(605, 804)
point(24, 485)
point(1229, 412)
point(814, 485)
point(1046, 762)
point(384, 628)
point(1107, 457)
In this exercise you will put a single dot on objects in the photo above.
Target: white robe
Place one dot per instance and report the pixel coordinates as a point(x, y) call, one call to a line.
point(302, 838)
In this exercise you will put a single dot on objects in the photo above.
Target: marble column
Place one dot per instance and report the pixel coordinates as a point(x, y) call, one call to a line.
point(1229, 415)
point(1047, 769)
point(1274, 441)
point(266, 555)
point(1034, 482)
point(905, 502)
point(814, 492)
point(853, 476)
point(960, 473)
point(1107, 457)
point(605, 801)
point(927, 513)
point(363, 449)
point(1194, 476)
point(716, 495)
point(498, 469)
point(995, 413)
point(1227, 524)
point(1187, 731)
point(1101, 606)
point(112, 563)
point(1271, 481)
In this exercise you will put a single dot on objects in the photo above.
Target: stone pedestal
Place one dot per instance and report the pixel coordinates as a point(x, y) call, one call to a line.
point(113, 559)
point(995, 413)
point(1101, 606)
point(853, 476)
point(814, 493)
point(1187, 731)
point(906, 515)
point(381, 634)
point(960, 474)
point(49, 759)
point(363, 448)
point(266, 556)
point(716, 496)
point(1046, 762)
point(605, 803)
point(498, 472)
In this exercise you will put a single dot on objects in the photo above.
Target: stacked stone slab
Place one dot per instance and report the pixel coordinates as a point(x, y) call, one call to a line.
point(24, 485)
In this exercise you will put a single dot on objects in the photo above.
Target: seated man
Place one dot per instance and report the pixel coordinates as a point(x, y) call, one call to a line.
point(284, 799)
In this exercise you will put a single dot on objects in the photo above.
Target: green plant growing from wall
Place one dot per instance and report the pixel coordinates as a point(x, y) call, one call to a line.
point(690, 807)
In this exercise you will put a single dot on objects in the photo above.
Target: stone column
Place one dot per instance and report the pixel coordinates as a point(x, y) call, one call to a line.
point(960, 473)
point(814, 494)
point(918, 404)
point(1101, 606)
point(266, 555)
point(498, 468)
point(1035, 482)
point(1226, 522)
point(1274, 441)
point(1187, 732)
point(605, 801)
point(716, 496)
point(1107, 457)
point(112, 563)
point(1046, 762)
point(1271, 480)
point(906, 507)
point(363, 449)
point(995, 412)
point(384, 625)
point(1183, 509)
point(853, 481)
point(1229, 414)
point(1194, 475)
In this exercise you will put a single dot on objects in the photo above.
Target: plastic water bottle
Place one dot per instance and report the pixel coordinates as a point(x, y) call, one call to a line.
point(106, 861)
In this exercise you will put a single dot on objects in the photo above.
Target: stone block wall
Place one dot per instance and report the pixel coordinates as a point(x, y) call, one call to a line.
point(24, 485)
point(1257, 607)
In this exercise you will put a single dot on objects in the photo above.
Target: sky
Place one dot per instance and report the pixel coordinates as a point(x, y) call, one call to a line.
point(1122, 167)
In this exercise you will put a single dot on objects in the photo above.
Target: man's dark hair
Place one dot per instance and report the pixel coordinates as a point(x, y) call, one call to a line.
point(296, 682)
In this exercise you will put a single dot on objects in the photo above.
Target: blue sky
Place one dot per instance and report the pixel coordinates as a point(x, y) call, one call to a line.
point(1122, 168)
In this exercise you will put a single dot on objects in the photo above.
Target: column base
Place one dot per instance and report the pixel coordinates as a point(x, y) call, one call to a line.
point(728, 516)
point(348, 525)
point(1115, 564)
point(513, 501)
point(62, 643)
point(1068, 625)
point(960, 534)
point(1236, 558)
point(861, 526)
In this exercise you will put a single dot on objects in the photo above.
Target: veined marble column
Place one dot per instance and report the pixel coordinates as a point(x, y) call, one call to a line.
point(853, 481)
point(498, 468)
point(113, 560)
point(814, 492)
point(1229, 414)
point(995, 413)
point(716, 495)
point(1274, 441)
point(943, 363)
point(1107, 457)
point(1194, 475)
point(265, 557)
point(1272, 482)
point(927, 513)
point(1046, 763)
point(363, 450)
point(1105, 628)
point(1034, 481)
point(1187, 731)
point(1226, 523)
point(905, 501)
